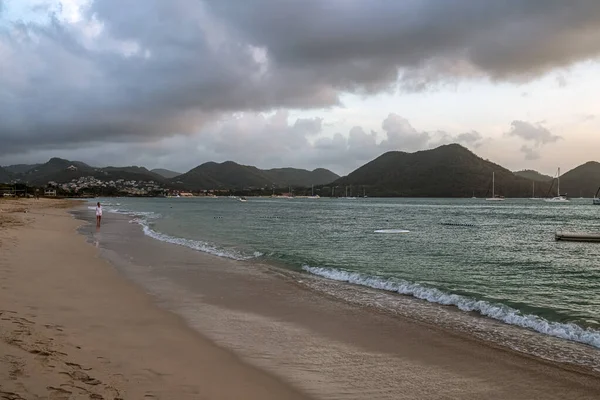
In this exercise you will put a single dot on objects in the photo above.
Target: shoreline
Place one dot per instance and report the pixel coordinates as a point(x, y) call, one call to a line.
point(166, 321)
point(72, 327)
point(299, 334)
point(484, 322)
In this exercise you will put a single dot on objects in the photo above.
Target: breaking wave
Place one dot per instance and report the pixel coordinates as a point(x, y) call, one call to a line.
point(498, 312)
point(196, 244)
point(143, 219)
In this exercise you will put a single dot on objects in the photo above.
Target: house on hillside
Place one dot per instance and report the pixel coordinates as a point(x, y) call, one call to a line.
point(72, 168)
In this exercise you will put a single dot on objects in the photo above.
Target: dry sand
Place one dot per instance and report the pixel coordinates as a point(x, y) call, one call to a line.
point(72, 328)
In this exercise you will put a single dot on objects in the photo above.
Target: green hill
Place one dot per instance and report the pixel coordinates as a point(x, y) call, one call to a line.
point(5, 176)
point(447, 171)
point(165, 173)
point(283, 177)
point(60, 170)
point(57, 170)
point(132, 173)
point(230, 175)
point(20, 168)
point(533, 175)
point(582, 181)
point(227, 175)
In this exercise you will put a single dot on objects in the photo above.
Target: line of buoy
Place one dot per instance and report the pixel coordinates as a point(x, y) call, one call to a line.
point(457, 224)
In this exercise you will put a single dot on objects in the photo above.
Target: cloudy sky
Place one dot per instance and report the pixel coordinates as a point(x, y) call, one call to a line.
point(303, 83)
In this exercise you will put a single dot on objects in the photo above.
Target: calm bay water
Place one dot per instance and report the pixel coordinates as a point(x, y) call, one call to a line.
point(498, 259)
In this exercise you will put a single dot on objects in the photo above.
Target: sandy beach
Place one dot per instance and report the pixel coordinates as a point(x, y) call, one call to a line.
point(73, 326)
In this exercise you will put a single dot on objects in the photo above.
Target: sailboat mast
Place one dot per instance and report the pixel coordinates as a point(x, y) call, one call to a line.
point(558, 182)
point(493, 185)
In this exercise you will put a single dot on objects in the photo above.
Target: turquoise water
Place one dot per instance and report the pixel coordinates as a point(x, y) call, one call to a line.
point(504, 263)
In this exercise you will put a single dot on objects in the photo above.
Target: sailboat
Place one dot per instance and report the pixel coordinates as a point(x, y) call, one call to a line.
point(559, 198)
point(312, 193)
point(596, 199)
point(494, 197)
point(533, 193)
point(351, 197)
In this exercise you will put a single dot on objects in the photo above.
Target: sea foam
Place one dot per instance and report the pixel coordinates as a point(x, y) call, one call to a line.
point(196, 244)
point(498, 312)
point(143, 219)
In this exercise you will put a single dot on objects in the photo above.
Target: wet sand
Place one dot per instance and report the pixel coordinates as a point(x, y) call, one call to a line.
point(187, 325)
point(72, 328)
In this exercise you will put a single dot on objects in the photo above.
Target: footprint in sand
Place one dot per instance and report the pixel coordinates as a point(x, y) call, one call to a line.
point(59, 393)
point(77, 366)
point(82, 377)
point(10, 396)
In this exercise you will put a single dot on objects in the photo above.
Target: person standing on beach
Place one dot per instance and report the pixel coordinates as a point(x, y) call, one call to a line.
point(98, 214)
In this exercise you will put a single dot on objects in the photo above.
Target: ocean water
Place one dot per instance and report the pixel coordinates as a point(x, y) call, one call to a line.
point(498, 260)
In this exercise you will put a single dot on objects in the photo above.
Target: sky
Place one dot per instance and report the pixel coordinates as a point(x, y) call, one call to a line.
point(299, 83)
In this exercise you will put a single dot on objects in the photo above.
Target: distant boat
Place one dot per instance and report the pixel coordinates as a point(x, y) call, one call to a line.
point(473, 195)
point(351, 197)
point(533, 193)
point(577, 236)
point(494, 197)
point(559, 198)
point(596, 199)
point(242, 199)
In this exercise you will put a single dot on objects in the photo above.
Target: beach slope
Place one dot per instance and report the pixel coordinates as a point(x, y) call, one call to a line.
point(71, 327)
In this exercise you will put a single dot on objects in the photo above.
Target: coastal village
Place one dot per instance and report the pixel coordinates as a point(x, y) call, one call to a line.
point(131, 187)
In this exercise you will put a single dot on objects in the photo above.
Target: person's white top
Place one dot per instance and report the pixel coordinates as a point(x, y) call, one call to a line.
point(98, 211)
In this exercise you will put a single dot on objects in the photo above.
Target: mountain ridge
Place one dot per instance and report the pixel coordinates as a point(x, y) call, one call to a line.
point(165, 173)
point(446, 171)
point(231, 175)
point(5, 175)
point(533, 175)
point(20, 168)
point(581, 181)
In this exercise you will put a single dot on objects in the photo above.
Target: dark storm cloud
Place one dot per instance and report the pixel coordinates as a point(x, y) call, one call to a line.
point(361, 42)
point(137, 72)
